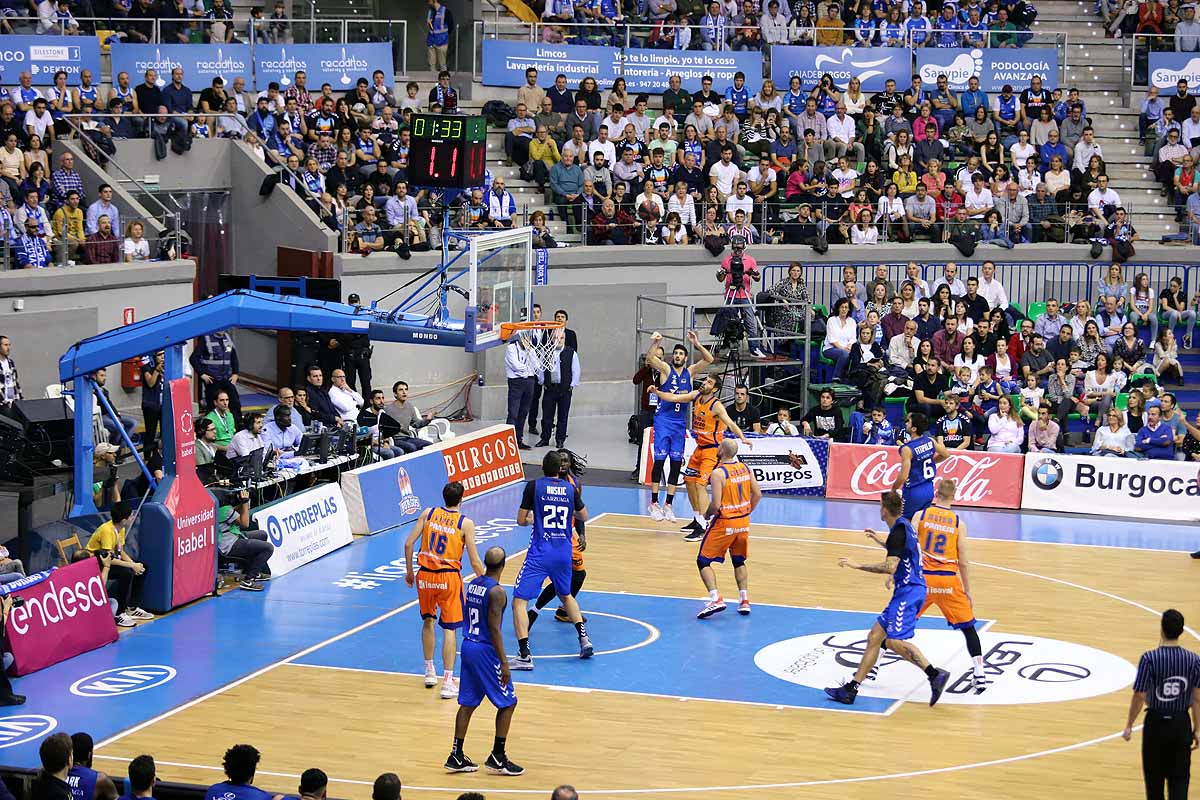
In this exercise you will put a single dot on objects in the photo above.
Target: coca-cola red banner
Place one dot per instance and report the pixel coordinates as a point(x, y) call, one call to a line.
point(65, 614)
point(987, 480)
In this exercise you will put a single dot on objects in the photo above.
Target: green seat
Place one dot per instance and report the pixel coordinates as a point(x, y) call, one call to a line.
point(1150, 376)
point(818, 307)
point(895, 401)
point(1036, 309)
point(1020, 309)
point(1122, 401)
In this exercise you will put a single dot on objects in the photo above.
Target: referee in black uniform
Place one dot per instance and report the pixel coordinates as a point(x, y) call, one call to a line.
point(1167, 684)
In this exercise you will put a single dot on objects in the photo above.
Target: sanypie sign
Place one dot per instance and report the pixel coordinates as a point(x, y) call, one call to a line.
point(992, 480)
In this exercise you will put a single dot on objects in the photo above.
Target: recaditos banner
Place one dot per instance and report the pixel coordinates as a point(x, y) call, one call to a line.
point(65, 614)
point(338, 65)
point(305, 526)
point(1120, 487)
point(644, 69)
point(987, 480)
point(767, 459)
point(200, 62)
point(1166, 69)
point(873, 66)
point(42, 56)
point(994, 66)
point(393, 492)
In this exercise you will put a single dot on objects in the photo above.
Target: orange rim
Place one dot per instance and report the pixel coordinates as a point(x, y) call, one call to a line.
point(507, 329)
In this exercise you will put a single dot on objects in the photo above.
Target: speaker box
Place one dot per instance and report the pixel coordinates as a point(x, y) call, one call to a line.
point(49, 428)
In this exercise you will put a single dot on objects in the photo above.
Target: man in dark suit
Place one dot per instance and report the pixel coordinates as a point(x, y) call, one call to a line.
point(558, 384)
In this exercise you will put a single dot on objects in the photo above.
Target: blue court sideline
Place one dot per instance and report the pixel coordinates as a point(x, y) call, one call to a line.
point(216, 642)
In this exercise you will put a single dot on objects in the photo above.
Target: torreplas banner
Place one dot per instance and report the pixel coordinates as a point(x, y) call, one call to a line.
point(1167, 69)
point(873, 66)
point(994, 66)
point(42, 56)
point(1119, 487)
point(986, 480)
point(390, 493)
point(305, 526)
point(644, 69)
point(338, 65)
point(200, 62)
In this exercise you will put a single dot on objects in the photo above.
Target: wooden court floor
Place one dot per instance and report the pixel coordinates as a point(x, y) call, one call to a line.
point(356, 725)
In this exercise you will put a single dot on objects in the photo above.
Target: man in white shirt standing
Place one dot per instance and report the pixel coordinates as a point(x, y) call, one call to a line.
point(978, 199)
point(724, 174)
point(739, 201)
point(1103, 201)
point(604, 145)
point(842, 132)
point(521, 372)
point(991, 289)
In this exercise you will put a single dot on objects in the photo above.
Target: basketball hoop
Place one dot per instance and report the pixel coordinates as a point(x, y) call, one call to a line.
point(544, 347)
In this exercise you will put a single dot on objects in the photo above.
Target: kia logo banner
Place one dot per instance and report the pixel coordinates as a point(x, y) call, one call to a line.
point(873, 66)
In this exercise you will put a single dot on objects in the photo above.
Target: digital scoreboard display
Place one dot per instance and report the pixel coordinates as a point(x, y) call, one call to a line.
point(447, 150)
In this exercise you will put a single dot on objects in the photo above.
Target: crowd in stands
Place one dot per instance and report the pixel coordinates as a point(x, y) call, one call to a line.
point(758, 24)
point(1170, 130)
point(1163, 26)
point(988, 376)
point(817, 166)
point(68, 771)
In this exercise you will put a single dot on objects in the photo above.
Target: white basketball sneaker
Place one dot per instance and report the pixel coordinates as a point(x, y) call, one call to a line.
point(656, 512)
point(668, 513)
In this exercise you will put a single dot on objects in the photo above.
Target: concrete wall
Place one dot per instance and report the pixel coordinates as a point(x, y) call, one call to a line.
point(63, 305)
point(203, 168)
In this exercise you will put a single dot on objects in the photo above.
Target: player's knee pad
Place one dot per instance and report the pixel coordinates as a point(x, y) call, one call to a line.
point(577, 579)
point(974, 646)
point(737, 561)
point(657, 472)
point(702, 562)
point(676, 466)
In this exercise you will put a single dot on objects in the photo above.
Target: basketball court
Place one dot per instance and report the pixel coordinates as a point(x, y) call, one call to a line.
point(323, 669)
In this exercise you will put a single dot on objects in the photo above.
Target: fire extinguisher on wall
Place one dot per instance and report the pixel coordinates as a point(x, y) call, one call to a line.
point(131, 368)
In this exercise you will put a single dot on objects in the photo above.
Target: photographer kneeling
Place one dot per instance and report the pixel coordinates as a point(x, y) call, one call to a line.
point(737, 272)
point(236, 539)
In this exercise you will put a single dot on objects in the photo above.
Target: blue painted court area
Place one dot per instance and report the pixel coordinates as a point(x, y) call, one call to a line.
point(216, 642)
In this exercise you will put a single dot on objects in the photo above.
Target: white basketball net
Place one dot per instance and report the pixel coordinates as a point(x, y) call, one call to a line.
point(542, 349)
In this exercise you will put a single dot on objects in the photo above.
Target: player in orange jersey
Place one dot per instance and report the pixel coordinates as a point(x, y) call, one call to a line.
point(943, 539)
point(735, 494)
point(709, 423)
point(444, 533)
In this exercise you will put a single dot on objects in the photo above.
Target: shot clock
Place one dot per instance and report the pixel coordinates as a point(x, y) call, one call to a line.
point(447, 150)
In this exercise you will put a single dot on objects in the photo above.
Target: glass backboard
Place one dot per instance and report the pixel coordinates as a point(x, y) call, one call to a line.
point(500, 286)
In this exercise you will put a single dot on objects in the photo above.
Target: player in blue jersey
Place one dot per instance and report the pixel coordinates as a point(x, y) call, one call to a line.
point(919, 457)
point(82, 778)
point(485, 669)
point(671, 419)
point(895, 626)
point(551, 505)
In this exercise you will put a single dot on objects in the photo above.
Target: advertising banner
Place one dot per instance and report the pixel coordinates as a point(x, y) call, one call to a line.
point(65, 614)
point(393, 492)
point(872, 66)
point(486, 460)
point(1167, 68)
point(305, 526)
point(644, 69)
point(200, 62)
point(1120, 487)
point(768, 460)
point(994, 66)
point(338, 65)
point(986, 480)
point(194, 549)
point(42, 56)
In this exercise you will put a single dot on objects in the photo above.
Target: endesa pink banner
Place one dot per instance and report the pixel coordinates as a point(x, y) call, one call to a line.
point(65, 614)
point(986, 480)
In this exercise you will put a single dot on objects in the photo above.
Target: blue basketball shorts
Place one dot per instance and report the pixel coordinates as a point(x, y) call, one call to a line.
point(916, 498)
point(538, 567)
point(669, 436)
point(899, 619)
point(480, 677)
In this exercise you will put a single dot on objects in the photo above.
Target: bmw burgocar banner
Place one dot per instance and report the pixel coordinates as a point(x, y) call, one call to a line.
point(644, 69)
point(1166, 69)
point(42, 56)
point(338, 65)
point(1119, 487)
point(994, 66)
point(200, 62)
point(872, 66)
point(303, 527)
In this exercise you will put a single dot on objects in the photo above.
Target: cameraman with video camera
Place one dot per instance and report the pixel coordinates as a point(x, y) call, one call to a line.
point(236, 539)
point(738, 271)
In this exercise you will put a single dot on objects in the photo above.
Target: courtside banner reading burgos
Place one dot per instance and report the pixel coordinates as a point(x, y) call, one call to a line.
point(994, 66)
point(1167, 69)
point(1120, 487)
point(338, 65)
point(65, 614)
point(987, 480)
point(305, 526)
point(393, 492)
point(42, 56)
point(767, 458)
point(644, 69)
point(200, 62)
point(873, 66)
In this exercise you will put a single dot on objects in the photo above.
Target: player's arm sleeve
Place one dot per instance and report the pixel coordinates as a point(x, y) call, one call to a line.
point(896, 542)
point(578, 498)
point(527, 497)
